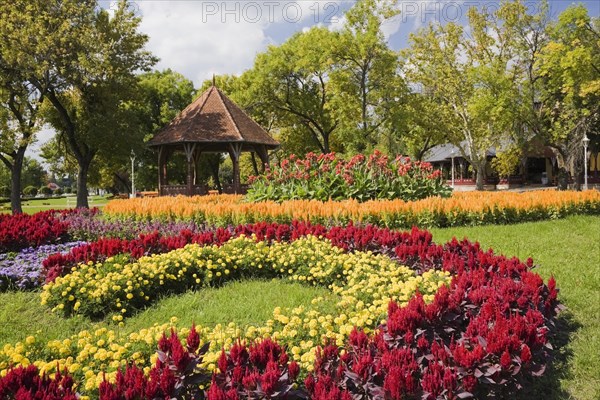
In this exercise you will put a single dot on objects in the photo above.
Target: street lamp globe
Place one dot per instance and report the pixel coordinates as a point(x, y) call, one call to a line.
point(586, 142)
point(132, 157)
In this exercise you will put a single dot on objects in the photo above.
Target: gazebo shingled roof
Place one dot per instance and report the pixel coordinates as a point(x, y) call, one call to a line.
point(213, 118)
point(211, 123)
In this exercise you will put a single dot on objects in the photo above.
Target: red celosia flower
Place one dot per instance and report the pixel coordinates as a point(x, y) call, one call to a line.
point(506, 360)
point(525, 354)
point(193, 340)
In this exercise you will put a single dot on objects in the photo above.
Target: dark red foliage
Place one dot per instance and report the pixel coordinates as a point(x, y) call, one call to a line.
point(177, 373)
point(410, 247)
point(481, 336)
point(258, 371)
point(255, 372)
point(23, 230)
point(26, 383)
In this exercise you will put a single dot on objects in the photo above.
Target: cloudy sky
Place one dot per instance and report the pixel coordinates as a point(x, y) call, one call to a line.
point(199, 38)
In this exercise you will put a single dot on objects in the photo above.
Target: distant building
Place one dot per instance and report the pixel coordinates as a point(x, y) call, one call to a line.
point(539, 168)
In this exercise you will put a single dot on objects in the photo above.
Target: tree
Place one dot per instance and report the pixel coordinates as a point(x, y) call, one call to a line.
point(19, 121)
point(161, 96)
point(424, 124)
point(56, 155)
point(473, 77)
point(569, 99)
point(368, 89)
point(290, 83)
point(34, 173)
point(529, 128)
point(83, 61)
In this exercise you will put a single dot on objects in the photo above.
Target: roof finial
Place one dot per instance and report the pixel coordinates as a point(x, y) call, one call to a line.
point(214, 80)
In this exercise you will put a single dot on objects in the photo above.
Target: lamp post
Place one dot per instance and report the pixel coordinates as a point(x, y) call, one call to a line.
point(452, 155)
point(586, 141)
point(132, 157)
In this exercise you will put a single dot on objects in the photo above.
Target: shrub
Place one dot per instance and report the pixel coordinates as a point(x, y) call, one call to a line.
point(58, 192)
point(68, 190)
point(30, 191)
point(4, 191)
point(45, 190)
point(327, 176)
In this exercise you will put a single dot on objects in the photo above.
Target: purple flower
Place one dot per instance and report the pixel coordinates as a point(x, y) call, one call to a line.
point(23, 270)
point(91, 226)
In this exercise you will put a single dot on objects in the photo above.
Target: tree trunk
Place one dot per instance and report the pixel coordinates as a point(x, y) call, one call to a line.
point(126, 184)
point(326, 148)
point(563, 172)
point(82, 175)
point(525, 172)
point(15, 181)
point(563, 178)
point(479, 179)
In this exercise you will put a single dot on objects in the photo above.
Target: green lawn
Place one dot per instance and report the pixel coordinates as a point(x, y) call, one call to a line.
point(569, 249)
point(37, 205)
point(22, 314)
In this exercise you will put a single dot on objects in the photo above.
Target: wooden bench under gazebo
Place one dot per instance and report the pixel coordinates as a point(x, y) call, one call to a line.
point(211, 124)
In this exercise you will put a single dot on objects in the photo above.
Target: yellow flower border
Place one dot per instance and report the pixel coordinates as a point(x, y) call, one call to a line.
point(364, 282)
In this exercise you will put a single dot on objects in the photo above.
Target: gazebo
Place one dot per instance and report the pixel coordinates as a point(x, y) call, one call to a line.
point(211, 124)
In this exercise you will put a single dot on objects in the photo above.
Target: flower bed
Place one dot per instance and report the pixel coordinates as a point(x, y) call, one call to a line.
point(480, 324)
point(25, 270)
point(470, 208)
point(327, 176)
point(22, 230)
point(88, 225)
point(347, 237)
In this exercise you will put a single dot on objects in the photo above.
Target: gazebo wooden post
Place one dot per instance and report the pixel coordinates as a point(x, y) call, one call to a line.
point(261, 150)
point(189, 149)
point(162, 169)
point(196, 158)
point(235, 149)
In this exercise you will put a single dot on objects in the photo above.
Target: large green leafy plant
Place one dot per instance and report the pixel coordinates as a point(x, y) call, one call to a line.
point(327, 176)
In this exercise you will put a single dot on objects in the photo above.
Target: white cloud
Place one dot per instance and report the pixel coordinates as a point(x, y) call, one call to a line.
point(197, 48)
point(199, 38)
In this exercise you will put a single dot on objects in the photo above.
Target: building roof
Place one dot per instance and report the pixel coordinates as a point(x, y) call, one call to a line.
point(213, 118)
point(443, 152)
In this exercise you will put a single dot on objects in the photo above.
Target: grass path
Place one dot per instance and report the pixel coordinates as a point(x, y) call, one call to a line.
point(43, 204)
point(21, 313)
point(568, 249)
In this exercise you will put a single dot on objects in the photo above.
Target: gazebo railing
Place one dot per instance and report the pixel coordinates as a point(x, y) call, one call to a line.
point(229, 189)
point(174, 190)
point(197, 190)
